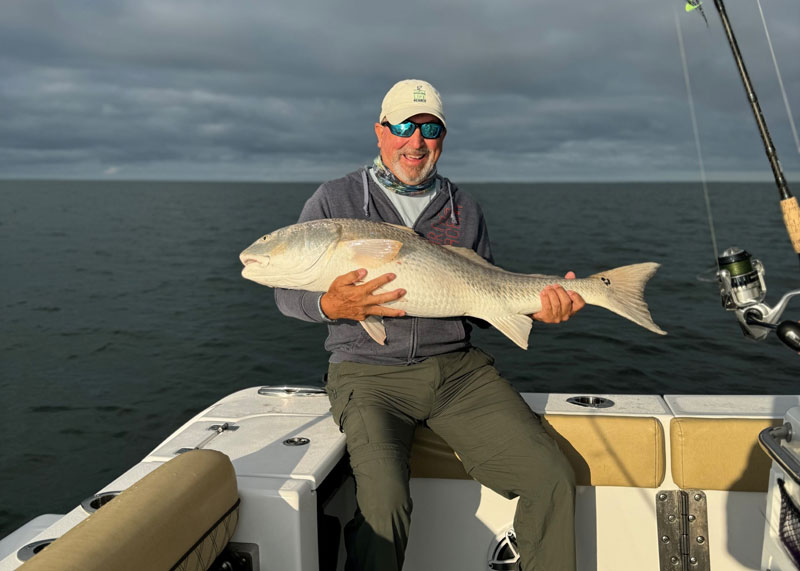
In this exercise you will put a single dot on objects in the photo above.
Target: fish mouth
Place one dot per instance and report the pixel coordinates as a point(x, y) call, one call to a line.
point(248, 258)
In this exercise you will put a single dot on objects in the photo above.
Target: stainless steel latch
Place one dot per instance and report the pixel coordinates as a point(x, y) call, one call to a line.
point(217, 430)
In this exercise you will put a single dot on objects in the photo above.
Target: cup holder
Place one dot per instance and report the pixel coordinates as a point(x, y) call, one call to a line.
point(97, 501)
point(591, 402)
point(27, 551)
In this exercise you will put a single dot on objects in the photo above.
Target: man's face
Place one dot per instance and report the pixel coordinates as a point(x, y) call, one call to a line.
point(411, 159)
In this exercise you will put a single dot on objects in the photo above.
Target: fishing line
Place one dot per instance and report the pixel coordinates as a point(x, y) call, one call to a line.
point(780, 78)
point(696, 131)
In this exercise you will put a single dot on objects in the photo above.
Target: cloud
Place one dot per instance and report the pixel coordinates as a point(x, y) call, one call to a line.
point(533, 90)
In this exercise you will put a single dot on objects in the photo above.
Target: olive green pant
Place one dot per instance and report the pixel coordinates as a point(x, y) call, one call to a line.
point(500, 441)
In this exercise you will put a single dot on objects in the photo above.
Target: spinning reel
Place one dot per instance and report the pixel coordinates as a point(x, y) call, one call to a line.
point(743, 290)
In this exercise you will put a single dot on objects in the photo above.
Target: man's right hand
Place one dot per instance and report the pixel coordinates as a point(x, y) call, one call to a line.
point(346, 300)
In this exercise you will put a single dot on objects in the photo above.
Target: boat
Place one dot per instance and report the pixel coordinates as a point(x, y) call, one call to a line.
point(260, 481)
point(664, 482)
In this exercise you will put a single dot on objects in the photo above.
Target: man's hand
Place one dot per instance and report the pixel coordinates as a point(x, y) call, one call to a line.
point(558, 304)
point(346, 300)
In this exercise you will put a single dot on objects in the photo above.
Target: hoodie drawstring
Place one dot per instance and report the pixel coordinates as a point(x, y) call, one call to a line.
point(452, 206)
point(366, 191)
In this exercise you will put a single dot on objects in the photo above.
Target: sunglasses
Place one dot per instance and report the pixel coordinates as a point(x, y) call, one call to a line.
point(407, 128)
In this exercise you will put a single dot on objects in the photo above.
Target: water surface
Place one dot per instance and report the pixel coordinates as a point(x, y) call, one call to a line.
point(124, 314)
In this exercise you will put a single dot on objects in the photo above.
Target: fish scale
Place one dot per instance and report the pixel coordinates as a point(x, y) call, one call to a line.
point(440, 281)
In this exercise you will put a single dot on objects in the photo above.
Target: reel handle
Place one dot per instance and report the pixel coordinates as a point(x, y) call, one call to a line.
point(789, 332)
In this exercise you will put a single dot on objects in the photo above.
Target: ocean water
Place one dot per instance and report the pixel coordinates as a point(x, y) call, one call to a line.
point(124, 314)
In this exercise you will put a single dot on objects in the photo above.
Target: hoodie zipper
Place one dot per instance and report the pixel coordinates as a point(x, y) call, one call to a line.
point(414, 339)
point(412, 346)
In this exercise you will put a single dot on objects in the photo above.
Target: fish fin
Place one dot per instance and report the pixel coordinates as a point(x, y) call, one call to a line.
point(373, 325)
point(474, 257)
point(373, 251)
point(515, 326)
point(623, 293)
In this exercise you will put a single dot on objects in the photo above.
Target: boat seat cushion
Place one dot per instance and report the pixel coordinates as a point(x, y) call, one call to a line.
point(180, 516)
point(603, 450)
point(719, 453)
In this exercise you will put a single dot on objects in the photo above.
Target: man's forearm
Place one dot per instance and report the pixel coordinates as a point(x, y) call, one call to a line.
point(303, 305)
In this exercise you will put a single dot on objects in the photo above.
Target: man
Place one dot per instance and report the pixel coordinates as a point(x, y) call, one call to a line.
point(427, 372)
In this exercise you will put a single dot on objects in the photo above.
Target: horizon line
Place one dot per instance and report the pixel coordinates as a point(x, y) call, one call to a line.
point(713, 180)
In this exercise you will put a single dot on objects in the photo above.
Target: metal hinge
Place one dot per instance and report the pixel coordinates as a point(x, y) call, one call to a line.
point(682, 530)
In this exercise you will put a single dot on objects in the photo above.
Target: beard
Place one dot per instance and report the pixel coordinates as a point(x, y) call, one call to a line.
point(411, 175)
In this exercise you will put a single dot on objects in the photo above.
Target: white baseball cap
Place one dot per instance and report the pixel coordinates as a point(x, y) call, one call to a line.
point(411, 97)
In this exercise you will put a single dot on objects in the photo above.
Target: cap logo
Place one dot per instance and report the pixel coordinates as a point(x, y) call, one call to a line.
point(419, 95)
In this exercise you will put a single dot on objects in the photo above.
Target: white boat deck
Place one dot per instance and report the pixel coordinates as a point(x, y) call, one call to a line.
point(454, 520)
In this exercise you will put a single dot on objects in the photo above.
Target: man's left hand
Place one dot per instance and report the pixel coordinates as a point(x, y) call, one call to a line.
point(558, 304)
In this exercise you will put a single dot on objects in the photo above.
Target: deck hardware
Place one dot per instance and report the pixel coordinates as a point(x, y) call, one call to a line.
point(224, 427)
point(97, 501)
point(591, 402)
point(291, 391)
point(503, 554)
point(682, 530)
point(27, 551)
point(770, 441)
point(217, 430)
point(296, 441)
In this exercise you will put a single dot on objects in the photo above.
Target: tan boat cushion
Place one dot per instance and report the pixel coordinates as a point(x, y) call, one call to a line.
point(603, 450)
point(719, 453)
point(161, 522)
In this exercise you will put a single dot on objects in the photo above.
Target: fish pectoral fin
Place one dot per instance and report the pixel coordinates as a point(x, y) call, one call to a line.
point(514, 326)
point(373, 325)
point(373, 251)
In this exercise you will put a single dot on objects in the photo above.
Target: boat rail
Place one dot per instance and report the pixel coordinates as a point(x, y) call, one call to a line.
point(770, 441)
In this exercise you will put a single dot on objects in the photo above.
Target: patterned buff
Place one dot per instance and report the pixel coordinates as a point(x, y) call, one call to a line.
point(391, 182)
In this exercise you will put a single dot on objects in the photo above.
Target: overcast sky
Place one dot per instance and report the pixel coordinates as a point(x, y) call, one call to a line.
point(534, 90)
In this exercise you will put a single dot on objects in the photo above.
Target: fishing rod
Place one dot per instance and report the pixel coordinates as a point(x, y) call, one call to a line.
point(741, 277)
point(789, 206)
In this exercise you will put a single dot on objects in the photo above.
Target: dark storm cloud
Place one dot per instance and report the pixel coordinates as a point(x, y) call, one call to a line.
point(533, 90)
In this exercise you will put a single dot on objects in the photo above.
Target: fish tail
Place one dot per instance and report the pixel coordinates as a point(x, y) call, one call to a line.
point(623, 293)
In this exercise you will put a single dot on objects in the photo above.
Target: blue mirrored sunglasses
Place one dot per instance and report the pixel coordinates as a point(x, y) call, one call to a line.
point(407, 128)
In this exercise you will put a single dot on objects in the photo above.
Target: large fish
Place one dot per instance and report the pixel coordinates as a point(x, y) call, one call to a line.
point(440, 281)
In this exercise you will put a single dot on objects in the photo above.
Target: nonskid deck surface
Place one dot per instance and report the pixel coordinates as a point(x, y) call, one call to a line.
point(288, 454)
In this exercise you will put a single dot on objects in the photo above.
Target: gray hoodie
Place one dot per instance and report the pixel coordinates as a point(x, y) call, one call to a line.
point(452, 218)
